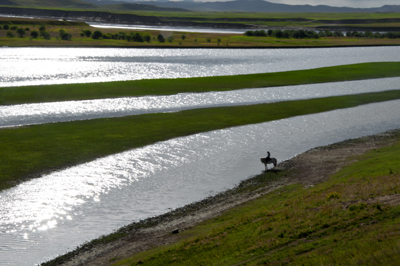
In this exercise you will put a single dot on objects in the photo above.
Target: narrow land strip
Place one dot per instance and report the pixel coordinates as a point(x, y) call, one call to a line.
point(51, 93)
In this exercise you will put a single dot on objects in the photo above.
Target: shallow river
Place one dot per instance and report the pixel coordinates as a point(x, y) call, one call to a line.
point(45, 217)
point(36, 66)
point(25, 114)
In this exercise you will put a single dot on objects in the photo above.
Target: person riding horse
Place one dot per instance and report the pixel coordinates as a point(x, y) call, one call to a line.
point(268, 160)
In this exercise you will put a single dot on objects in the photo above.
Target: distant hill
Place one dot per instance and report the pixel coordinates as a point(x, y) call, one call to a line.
point(142, 7)
point(389, 8)
point(48, 3)
point(261, 6)
point(190, 5)
point(110, 2)
point(89, 4)
point(7, 3)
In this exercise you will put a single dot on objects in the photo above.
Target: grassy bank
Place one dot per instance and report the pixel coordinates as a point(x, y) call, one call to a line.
point(48, 93)
point(347, 220)
point(32, 150)
point(192, 40)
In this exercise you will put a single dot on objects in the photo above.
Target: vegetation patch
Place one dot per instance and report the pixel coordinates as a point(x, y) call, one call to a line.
point(310, 34)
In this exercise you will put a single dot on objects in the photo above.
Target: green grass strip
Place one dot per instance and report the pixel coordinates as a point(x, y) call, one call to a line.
point(32, 150)
point(49, 93)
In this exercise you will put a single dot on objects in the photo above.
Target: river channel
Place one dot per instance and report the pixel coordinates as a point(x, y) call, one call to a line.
point(48, 216)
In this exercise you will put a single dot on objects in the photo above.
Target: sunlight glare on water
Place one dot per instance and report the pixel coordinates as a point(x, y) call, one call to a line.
point(26, 114)
point(167, 28)
point(45, 217)
point(39, 66)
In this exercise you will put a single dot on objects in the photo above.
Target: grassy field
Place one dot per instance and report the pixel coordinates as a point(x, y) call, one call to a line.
point(32, 150)
point(48, 93)
point(334, 223)
point(174, 39)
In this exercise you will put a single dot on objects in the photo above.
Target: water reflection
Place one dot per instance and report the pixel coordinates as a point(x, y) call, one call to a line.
point(19, 66)
point(166, 28)
point(25, 114)
point(47, 216)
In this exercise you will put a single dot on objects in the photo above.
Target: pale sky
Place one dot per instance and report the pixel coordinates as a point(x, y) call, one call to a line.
point(347, 3)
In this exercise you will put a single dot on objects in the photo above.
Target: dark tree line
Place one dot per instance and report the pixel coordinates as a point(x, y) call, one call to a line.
point(377, 35)
point(303, 34)
point(22, 31)
point(131, 37)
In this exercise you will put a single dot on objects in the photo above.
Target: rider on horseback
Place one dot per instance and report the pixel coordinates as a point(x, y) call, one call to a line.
point(268, 160)
point(268, 156)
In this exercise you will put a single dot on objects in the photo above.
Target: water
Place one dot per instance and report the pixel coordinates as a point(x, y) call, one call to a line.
point(167, 29)
point(26, 114)
point(45, 217)
point(39, 66)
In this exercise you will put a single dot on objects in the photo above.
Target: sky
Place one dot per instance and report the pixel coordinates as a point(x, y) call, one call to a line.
point(347, 3)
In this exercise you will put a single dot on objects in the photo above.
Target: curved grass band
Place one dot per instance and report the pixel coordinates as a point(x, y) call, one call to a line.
point(31, 150)
point(49, 93)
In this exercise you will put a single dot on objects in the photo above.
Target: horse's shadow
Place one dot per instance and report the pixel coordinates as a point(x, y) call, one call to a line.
point(272, 170)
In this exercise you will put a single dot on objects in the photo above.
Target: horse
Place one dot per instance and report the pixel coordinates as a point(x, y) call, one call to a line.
point(271, 160)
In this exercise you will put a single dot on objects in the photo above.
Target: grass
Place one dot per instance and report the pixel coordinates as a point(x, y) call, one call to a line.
point(32, 150)
point(193, 40)
point(49, 93)
point(272, 15)
point(301, 226)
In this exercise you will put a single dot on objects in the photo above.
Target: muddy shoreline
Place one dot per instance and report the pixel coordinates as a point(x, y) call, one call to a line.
point(309, 168)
